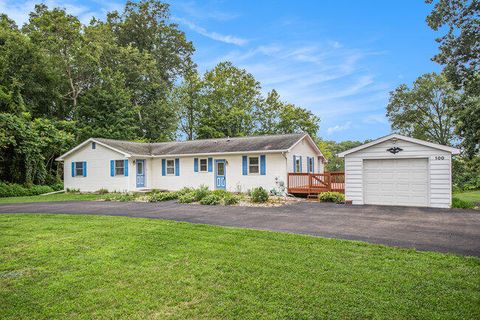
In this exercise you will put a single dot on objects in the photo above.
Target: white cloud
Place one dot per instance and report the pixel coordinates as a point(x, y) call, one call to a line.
point(338, 127)
point(376, 118)
point(211, 34)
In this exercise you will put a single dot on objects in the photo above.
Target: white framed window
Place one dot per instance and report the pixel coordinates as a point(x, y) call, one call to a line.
point(79, 169)
point(298, 164)
point(253, 165)
point(203, 165)
point(311, 164)
point(170, 167)
point(119, 167)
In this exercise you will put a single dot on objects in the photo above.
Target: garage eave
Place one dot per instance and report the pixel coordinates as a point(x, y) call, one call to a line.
point(400, 137)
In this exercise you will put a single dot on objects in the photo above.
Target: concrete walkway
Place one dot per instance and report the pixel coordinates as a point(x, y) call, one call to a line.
point(443, 230)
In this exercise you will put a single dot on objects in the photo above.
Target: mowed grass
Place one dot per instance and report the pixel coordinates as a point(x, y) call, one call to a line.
point(91, 267)
point(473, 196)
point(53, 197)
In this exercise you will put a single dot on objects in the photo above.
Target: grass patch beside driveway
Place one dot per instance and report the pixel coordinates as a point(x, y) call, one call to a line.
point(54, 197)
point(58, 266)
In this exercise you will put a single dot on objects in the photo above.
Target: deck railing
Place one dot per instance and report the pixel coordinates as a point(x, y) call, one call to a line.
point(312, 183)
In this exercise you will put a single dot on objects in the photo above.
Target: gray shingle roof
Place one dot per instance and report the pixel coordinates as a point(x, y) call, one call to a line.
point(223, 145)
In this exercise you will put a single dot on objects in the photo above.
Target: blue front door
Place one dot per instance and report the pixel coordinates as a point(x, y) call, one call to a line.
point(220, 174)
point(140, 173)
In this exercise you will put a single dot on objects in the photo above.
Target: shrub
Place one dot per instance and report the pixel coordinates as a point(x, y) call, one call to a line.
point(69, 190)
point(211, 199)
point(462, 204)
point(201, 193)
point(336, 197)
point(162, 196)
point(221, 193)
point(230, 199)
point(102, 191)
point(122, 197)
point(17, 190)
point(36, 190)
point(259, 195)
point(187, 198)
point(57, 186)
point(185, 190)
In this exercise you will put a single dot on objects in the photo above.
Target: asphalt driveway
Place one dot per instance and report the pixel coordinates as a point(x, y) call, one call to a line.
point(444, 230)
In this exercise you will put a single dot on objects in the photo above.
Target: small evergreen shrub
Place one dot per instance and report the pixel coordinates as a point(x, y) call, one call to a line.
point(336, 197)
point(259, 195)
point(201, 193)
point(162, 196)
point(187, 198)
point(462, 204)
point(211, 200)
point(230, 199)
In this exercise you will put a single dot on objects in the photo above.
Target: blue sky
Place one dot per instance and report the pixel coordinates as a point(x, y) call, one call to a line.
point(339, 59)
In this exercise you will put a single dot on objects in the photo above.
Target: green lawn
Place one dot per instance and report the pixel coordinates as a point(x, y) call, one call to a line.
point(473, 196)
point(86, 267)
point(53, 197)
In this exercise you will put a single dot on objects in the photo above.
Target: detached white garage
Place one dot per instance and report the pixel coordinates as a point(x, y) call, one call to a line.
point(398, 170)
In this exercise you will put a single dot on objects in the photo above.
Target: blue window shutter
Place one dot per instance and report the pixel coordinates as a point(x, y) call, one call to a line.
point(177, 167)
point(244, 165)
point(263, 165)
point(195, 164)
point(313, 164)
point(73, 169)
point(84, 168)
point(301, 165)
point(294, 164)
point(308, 165)
point(210, 164)
point(112, 168)
point(125, 169)
point(164, 167)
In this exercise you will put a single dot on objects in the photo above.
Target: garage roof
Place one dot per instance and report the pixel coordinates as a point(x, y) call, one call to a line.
point(400, 137)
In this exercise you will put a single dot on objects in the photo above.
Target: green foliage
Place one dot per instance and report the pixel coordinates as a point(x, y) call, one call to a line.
point(17, 190)
point(122, 197)
point(57, 186)
point(336, 197)
point(201, 193)
point(188, 197)
point(259, 195)
point(425, 111)
point(462, 204)
point(331, 148)
point(466, 173)
point(221, 193)
point(211, 199)
point(101, 191)
point(162, 196)
point(230, 199)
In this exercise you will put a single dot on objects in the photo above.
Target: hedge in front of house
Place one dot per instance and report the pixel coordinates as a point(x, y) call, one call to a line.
point(18, 190)
point(336, 197)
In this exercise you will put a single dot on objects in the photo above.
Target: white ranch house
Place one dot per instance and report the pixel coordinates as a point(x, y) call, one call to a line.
point(234, 164)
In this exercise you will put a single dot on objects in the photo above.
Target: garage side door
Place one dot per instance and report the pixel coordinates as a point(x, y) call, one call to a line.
point(396, 182)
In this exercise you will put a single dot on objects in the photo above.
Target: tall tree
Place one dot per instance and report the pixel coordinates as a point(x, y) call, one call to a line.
point(460, 54)
point(425, 111)
point(187, 99)
point(230, 97)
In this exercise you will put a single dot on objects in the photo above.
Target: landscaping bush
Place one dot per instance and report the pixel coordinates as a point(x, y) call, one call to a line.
point(162, 196)
point(462, 204)
point(201, 193)
point(57, 186)
point(184, 191)
point(221, 193)
point(122, 197)
point(259, 195)
point(187, 198)
point(230, 199)
point(102, 191)
point(17, 190)
point(72, 190)
point(336, 197)
point(211, 199)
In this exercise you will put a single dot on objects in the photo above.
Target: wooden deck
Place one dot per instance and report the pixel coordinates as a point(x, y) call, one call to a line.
point(315, 183)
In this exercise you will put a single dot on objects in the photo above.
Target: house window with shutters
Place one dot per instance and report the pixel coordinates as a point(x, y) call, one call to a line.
point(170, 167)
point(253, 165)
point(119, 167)
point(79, 169)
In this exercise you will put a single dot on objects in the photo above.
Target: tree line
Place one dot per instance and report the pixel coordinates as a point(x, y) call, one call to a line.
point(129, 76)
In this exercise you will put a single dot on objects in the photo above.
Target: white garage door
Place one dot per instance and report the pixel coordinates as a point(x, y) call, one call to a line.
point(396, 182)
